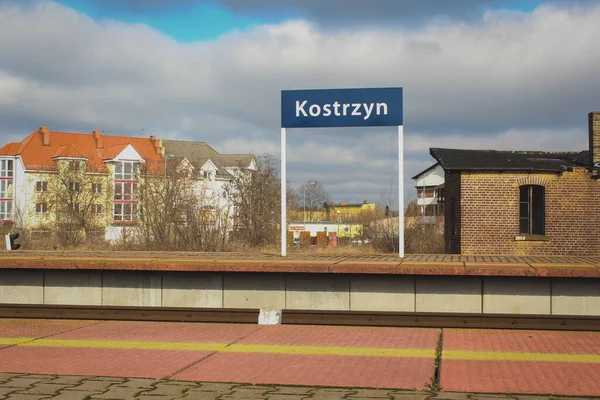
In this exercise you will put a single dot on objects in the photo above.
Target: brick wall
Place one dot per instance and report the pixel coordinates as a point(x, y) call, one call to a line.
point(452, 216)
point(489, 213)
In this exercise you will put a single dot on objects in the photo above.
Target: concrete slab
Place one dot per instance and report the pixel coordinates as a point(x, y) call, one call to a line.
point(192, 289)
point(246, 290)
point(136, 288)
point(317, 292)
point(22, 287)
point(73, 287)
point(382, 293)
point(575, 296)
point(448, 294)
point(514, 295)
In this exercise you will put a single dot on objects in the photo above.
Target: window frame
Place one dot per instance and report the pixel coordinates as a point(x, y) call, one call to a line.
point(41, 186)
point(532, 210)
point(41, 208)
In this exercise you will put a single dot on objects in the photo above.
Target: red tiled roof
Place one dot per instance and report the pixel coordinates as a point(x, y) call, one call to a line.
point(36, 156)
point(68, 151)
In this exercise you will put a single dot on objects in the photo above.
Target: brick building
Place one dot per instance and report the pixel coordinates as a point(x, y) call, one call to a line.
point(523, 202)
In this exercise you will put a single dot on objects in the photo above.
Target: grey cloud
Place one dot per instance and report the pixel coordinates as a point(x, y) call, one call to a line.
point(507, 81)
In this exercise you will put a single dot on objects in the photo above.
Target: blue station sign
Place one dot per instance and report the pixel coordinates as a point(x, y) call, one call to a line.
point(328, 108)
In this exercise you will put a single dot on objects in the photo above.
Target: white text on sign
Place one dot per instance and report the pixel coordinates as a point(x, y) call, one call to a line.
point(341, 109)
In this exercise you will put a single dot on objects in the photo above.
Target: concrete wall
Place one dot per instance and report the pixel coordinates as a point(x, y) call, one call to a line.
point(505, 295)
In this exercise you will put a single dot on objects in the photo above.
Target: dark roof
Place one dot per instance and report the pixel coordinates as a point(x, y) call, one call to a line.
point(425, 170)
point(494, 160)
point(199, 152)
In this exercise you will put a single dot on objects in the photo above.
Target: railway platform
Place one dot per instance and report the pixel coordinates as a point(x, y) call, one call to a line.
point(64, 359)
point(476, 285)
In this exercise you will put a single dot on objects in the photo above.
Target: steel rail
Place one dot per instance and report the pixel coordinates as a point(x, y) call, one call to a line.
point(301, 317)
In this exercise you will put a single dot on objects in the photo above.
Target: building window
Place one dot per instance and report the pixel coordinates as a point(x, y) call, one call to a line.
point(96, 188)
point(125, 191)
point(74, 207)
point(41, 208)
point(6, 168)
point(125, 170)
point(74, 165)
point(5, 210)
point(125, 194)
point(125, 212)
point(532, 210)
point(206, 174)
point(6, 189)
point(97, 208)
point(74, 186)
point(41, 186)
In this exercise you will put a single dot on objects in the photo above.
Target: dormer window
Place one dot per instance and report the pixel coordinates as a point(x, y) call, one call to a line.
point(74, 165)
point(207, 174)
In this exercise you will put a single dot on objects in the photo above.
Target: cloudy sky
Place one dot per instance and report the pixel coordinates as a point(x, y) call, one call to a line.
point(488, 74)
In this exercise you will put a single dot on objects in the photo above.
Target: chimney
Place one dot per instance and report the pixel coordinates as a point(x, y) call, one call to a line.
point(365, 202)
point(45, 135)
point(97, 139)
point(594, 134)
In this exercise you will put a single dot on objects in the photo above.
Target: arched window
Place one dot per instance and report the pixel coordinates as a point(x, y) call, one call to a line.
point(532, 210)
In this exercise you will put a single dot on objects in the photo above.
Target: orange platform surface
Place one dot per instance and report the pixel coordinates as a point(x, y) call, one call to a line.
point(472, 360)
point(325, 262)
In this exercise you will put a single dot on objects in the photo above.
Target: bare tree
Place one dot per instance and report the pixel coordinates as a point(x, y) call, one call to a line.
point(312, 195)
point(256, 197)
point(176, 214)
point(77, 201)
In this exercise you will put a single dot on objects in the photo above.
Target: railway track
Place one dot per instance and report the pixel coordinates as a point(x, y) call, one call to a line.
point(347, 318)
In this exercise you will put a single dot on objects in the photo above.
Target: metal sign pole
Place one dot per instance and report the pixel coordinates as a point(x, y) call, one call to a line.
point(401, 191)
point(283, 194)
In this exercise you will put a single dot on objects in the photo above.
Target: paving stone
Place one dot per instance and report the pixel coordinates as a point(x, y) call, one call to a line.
point(201, 395)
point(144, 397)
point(450, 396)
point(118, 392)
point(6, 390)
point(68, 380)
point(44, 388)
point(22, 382)
point(297, 390)
point(72, 395)
point(249, 392)
point(216, 387)
point(139, 383)
point(18, 396)
point(183, 383)
point(369, 393)
point(287, 396)
point(92, 386)
point(413, 396)
point(4, 376)
point(165, 389)
point(331, 393)
point(533, 397)
point(255, 387)
point(107, 378)
point(40, 376)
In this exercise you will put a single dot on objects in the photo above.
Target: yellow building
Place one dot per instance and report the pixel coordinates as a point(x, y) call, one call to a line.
point(342, 212)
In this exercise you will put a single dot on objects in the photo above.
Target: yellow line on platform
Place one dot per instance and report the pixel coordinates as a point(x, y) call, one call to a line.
point(13, 341)
point(125, 344)
point(304, 350)
point(330, 350)
point(519, 356)
point(223, 347)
